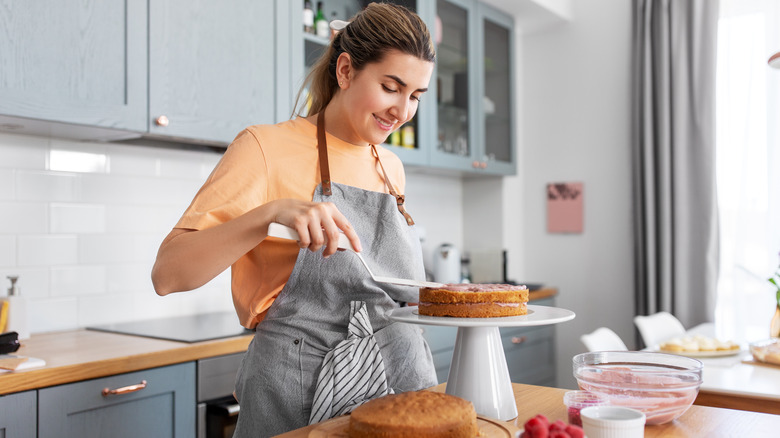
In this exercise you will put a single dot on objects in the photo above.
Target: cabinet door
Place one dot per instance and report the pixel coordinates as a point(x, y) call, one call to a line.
point(18, 415)
point(211, 68)
point(164, 407)
point(75, 61)
point(456, 80)
point(497, 109)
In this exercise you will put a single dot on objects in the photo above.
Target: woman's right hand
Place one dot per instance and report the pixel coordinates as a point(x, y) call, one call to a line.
point(318, 224)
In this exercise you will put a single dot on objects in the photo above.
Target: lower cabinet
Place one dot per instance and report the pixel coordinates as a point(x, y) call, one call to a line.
point(18, 415)
point(529, 351)
point(158, 402)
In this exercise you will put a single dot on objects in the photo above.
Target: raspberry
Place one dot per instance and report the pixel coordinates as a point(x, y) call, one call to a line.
point(533, 423)
point(538, 431)
point(558, 434)
point(558, 425)
point(575, 431)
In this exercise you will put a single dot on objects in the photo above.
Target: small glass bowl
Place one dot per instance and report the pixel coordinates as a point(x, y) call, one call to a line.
point(577, 400)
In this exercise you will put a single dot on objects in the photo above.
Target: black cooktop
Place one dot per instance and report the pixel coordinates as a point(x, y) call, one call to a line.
point(194, 328)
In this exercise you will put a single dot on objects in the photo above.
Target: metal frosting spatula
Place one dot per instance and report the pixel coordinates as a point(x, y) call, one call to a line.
point(285, 232)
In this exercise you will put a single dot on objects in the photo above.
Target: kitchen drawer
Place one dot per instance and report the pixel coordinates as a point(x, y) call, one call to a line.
point(18, 415)
point(217, 376)
point(164, 408)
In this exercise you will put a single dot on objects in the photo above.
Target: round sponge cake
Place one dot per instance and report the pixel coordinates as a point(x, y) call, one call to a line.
point(474, 300)
point(415, 414)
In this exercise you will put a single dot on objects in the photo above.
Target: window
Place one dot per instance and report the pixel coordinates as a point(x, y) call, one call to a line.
point(748, 166)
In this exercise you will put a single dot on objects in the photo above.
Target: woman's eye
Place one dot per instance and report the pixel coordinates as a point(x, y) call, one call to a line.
point(417, 98)
point(388, 89)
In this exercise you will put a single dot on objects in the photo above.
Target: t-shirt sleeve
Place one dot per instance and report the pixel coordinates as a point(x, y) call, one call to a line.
point(237, 184)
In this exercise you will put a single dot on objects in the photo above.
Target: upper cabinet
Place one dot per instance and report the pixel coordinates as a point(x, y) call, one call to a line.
point(199, 73)
point(75, 62)
point(211, 68)
point(475, 76)
point(190, 72)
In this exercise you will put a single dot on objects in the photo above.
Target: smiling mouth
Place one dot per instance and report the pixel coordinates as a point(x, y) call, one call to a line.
point(383, 123)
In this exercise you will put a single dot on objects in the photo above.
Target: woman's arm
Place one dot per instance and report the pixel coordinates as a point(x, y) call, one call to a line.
point(188, 259)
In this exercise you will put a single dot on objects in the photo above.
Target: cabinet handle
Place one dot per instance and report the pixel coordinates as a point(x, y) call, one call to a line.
point(124, 389)
point(483, 164)
point(475, 164)
point(162, 121)
point(518, 340)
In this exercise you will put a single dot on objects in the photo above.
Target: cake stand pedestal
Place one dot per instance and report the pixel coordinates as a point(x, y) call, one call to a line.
point(478, 372)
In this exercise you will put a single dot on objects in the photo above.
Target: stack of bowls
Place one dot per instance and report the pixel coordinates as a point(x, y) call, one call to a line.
point(662, 386)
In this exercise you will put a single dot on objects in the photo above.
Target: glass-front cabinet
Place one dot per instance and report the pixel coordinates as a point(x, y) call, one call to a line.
point(475, 80)
point(497, 113)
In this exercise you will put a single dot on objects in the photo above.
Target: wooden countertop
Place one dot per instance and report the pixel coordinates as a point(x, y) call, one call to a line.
point(698, 421)
point(83, 354)
point(77, 355)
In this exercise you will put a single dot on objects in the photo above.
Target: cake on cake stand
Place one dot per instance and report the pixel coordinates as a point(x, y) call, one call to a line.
point(478, 372)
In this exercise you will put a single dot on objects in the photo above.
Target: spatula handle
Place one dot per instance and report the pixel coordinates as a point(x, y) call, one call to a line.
point(285, 232)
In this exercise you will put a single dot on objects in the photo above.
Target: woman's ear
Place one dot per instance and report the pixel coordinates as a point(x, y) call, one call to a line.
point(344, 70)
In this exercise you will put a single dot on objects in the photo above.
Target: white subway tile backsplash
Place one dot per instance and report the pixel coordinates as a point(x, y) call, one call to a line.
point(77, 218)
point(7, 184)
point(7, 250)
point(130, 278)
point(107, 309)
point(143, 218)
point(78, 280)
point(33, 283)
point(43, 250)
point(186, 165)
point(23, 218)
point(23, 151)
point(133, 160)
point(107, 248)
point(46, 186)
point(53, 314)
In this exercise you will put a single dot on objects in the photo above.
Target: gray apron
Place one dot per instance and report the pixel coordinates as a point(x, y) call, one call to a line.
point(315, 311)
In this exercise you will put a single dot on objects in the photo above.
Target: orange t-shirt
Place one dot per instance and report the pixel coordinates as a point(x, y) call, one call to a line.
point(270, 162)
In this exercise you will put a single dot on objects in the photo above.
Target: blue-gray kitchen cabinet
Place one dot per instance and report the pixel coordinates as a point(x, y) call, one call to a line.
point(211, 68)
point(529, 351)
point(80, 63)
point(165, 407)
point(475, 88)
point(18, 415)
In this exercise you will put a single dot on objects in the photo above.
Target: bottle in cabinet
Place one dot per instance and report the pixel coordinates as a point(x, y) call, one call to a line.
point(308, 17)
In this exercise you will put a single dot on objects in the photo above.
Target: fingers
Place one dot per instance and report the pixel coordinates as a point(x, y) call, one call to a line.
point(318, 224)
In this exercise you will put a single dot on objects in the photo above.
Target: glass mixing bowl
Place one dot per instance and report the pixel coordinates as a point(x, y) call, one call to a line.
point(663, 386)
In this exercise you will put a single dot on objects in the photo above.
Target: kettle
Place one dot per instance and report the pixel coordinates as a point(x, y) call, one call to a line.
point(446, 264)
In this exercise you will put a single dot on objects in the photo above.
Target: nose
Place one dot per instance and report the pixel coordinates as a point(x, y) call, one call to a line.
point(401, 109)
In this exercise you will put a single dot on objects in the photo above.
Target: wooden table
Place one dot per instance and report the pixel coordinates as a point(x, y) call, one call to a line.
point(698, 421)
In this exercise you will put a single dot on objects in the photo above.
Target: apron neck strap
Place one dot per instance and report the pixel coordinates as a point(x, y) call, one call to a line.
point(322, 146)
point(399, 199)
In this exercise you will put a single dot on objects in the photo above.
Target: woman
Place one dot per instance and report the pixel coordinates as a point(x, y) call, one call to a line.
point(323, 342)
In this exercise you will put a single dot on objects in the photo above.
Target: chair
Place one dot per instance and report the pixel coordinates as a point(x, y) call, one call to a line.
point(658, 328)
point(603, 339)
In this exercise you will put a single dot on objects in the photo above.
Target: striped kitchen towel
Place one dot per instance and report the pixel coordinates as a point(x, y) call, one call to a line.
point(352, 373)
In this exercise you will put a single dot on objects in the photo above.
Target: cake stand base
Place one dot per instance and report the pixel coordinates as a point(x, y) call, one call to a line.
point(479, 373)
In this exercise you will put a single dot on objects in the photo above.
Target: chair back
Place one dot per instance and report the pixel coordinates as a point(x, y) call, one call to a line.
point(658, 328)
point(603, 339)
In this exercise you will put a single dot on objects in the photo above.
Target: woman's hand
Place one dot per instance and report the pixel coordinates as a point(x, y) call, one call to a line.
point(318, 224)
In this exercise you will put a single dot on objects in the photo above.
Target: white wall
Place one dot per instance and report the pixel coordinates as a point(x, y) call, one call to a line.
point(575, 126)
point(83, 242)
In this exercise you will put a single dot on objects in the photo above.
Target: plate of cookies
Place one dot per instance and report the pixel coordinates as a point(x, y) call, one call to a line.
point(699, 346)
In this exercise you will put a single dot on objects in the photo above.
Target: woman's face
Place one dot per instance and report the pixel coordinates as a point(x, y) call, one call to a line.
point(383, 96)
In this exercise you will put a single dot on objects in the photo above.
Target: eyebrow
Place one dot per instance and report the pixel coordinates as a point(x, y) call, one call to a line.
point(403, 84)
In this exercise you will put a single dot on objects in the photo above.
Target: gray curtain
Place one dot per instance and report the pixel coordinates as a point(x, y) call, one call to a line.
point(675, 205)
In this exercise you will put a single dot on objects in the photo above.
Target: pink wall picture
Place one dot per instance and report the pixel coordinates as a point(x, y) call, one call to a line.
point(565, 207)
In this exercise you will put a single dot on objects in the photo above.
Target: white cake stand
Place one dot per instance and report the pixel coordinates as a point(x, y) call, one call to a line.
point(478, 372)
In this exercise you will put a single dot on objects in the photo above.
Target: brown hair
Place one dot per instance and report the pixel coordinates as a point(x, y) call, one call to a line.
point(372, 32)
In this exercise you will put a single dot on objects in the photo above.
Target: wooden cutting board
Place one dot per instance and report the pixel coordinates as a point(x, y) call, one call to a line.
point(488, 428)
